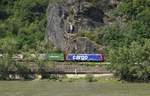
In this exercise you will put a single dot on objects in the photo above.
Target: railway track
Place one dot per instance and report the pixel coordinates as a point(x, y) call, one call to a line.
point(67, 68)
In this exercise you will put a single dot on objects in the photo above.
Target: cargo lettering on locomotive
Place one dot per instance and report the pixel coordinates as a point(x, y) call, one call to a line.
point(82, 57)
point(85, 57)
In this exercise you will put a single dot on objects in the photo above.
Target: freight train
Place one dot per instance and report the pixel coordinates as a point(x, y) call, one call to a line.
point(76, 57)
point(60, 57)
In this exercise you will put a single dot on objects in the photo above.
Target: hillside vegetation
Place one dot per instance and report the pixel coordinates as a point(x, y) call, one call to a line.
point(127, 40)
point(22, 24)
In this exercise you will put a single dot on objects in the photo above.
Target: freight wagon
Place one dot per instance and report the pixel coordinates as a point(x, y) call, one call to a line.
point(56, 56)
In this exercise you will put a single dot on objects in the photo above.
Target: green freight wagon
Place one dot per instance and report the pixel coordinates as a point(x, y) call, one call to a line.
point(55, 56)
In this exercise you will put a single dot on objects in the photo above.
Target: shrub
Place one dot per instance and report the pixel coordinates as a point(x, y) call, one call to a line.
point(132, 63)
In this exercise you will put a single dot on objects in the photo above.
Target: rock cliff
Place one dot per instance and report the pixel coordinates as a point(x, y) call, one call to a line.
point(66, 18)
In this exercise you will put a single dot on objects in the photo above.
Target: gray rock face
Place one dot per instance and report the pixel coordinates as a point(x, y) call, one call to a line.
point(56, 29)
point(83, 45)
point(76, 14)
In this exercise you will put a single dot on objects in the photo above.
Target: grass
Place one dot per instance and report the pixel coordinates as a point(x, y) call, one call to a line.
point(76, 88)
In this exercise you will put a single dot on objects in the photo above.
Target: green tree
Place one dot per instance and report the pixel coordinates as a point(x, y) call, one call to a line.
point(132, 63)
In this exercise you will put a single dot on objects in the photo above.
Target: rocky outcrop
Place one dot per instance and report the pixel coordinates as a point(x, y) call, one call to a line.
point(56, 27)
point(83, 45)
point(67, 17)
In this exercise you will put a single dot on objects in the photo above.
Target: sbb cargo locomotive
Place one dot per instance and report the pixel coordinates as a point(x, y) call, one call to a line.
point(76, 57)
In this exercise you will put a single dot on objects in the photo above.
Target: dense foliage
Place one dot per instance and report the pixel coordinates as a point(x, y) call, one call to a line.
point(11, 69)
point(129, 40)
point(133, 62)
point(24, 22)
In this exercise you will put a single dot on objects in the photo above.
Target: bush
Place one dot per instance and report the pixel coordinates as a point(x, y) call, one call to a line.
point(132, 63)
